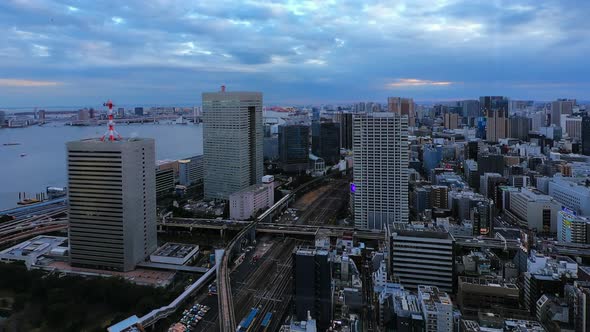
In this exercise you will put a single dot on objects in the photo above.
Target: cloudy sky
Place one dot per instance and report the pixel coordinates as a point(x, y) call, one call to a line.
point(73, 52)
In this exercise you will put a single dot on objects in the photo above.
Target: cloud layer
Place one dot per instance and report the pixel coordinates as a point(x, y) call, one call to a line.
point(7, 82)
point(414, 82)
point(168, 52)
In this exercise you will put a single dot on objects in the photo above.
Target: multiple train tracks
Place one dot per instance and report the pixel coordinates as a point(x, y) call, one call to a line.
point(269, 289)
point(33, 220)
point(227, 320)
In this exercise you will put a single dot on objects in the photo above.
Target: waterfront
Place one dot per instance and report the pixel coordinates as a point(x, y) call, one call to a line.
point(40, 158)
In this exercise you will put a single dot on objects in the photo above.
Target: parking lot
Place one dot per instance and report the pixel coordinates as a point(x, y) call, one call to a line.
point(190, 318)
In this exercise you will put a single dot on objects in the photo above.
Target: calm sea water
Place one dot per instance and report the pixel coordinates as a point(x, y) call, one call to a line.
point(45, 161)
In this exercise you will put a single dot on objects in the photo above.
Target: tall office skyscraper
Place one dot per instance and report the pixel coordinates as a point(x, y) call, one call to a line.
point(496, 125)
point(380, 170)
point(519, 127)
point(586, 135)
point(294, 147)
point(493, 103)
point(232, 142)
point(325, 141)
point(403, 106)
point(572, 126)
point(559, 108)
point(345, 122)
point(471, 111)
point(312, 286)
point(112, 197)
point(451, 120)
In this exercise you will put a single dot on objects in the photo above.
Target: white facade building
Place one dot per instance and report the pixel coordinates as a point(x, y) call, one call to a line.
point(572, 126)
point(572, 193)
point(534, 210)
point(247, 202)
point(191, 170)
point(175, 253)
point(529, 149)
point(437, 308)
point(380, 144)
point(538, 120)
point(572, 228)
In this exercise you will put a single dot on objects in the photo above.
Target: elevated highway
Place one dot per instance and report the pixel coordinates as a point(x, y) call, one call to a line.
point(272, 228)
point(27, 211)
point(33, 220)
point(486, 243)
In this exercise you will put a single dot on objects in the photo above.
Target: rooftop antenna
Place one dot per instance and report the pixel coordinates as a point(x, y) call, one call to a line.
point(111, 132)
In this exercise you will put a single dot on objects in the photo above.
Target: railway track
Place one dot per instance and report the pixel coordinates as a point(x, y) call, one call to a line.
point(225, 304)
point(19, 229)
point(264, 278)
point(9, 226)
point(275, 299)
point(326, 206)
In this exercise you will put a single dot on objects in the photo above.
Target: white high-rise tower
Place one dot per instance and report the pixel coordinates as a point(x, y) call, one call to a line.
point(380, 170)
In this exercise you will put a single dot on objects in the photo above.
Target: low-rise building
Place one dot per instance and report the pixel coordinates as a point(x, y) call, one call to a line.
point(175, 253)
point(532, 209)
point(247, 202)
point(471, 173)
point(574, 193)
point(422, 254)
point(462, 203)
point(519, 325)
point(29, 251)
point(546, 275)
point(317, 165)
point(400, 310)
point(164, 181)
point(191, 170)
point(579, 294)
point(477, 294)
point(437, 309)
point(572, 228)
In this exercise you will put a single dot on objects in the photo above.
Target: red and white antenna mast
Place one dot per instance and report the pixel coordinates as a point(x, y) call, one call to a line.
point(111, 132)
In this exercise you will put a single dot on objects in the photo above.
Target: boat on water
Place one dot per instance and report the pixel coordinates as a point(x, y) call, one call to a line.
point(10, 143)
point(23, 154)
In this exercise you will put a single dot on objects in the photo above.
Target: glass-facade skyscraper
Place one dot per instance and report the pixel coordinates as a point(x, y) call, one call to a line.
point(325, 142)
point(294, 147)
point(232, 142)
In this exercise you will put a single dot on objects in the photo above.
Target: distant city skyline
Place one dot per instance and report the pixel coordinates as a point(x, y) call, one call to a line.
point(58, 52)
point(130, 106)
